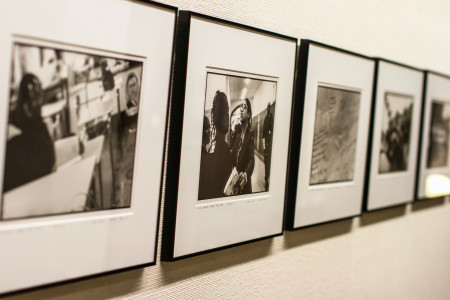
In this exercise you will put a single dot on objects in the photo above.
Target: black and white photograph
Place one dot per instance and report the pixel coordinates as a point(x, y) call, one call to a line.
point(335, 135)
point(437, 154)
point(237, 135)
point(83, 117)
point(229, 136)
point(328, 155)
point(71, 131)
point(395, 133)
point(394, 136)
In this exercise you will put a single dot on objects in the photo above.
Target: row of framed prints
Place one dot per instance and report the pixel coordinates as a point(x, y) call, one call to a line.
point(241, 133)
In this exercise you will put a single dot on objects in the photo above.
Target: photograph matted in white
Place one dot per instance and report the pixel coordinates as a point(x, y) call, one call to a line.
point(231, 173)
point(82, 130)
point(395, 136)
point(434, 172)
point(336, 114)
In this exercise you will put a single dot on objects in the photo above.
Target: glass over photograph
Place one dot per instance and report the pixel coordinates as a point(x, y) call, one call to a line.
point(237, 135)
point(71, 133)
point(395, 133)
point(335, 134)
point(439, 135)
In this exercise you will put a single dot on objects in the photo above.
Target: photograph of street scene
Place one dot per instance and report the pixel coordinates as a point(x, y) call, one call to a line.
point(71, 132)
point(395, 133)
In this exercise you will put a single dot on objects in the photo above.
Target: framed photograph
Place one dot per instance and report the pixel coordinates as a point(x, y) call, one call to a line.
point(328, 156)
point(395, 130)
point(82, 136)
point(434, 165)
point(228, 136)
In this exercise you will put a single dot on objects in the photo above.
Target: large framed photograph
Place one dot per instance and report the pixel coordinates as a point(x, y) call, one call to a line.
point(395, 131)
point(82, 137)
point(228, 137)
point(434, 165)
point(328, 156)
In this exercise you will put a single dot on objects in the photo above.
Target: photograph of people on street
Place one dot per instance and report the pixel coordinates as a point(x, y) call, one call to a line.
point(439, 135)
point(395, 133)
point(335, 132)
point(238, 124)
point(71, 131)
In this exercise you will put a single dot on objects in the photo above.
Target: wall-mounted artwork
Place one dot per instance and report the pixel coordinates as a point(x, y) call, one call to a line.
point(82, 133)
point(229, 136)
point(434, 166)
point(328, 154)
point(393, 155)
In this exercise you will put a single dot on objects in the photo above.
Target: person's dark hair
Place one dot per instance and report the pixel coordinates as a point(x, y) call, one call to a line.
point(249, 109)
point(30, 95)
point(219, 109)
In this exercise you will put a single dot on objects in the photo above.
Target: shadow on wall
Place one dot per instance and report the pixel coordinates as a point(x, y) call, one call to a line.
point(212, 262)
point(427, 203)
point(377, 216)
point(92, 287)
point(316, 233)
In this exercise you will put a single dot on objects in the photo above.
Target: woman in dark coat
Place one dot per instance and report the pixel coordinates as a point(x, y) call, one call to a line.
point(215, 168)
point(243, 151)
point(31, 154)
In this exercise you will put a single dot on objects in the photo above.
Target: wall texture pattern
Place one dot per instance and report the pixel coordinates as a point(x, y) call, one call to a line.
point(397, 253)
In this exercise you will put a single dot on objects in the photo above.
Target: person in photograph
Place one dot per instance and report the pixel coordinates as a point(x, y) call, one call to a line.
point(267, 144)
point(438, 136)
point(205, 162)
point(395, 146)
point(243, 151)
point(216, 167)
point(206, 137)
point(107, 76)
point(30, 154)
point(130, 114)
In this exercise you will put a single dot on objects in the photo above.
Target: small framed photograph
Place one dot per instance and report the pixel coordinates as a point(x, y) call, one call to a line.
point(82, 137)
point(328, 156)
point(395, 130)
point(434, 165)
point(228, 137)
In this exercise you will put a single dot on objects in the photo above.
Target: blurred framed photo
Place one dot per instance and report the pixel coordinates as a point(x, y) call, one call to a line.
point(328, 155)
point(393, 150)
point(77, 104)
point(434, 165)
point(229, 136)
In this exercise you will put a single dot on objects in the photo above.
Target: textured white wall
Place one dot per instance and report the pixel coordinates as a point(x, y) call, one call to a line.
point(399, 253)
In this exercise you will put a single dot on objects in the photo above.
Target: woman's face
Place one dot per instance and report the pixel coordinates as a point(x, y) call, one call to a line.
point(133, 88)
point(244, 112)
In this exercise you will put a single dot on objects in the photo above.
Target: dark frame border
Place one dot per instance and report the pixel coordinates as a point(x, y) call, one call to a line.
point(371, 132)
point(174, 137)
point(296, 136)
point(422, 125)
point(155, 5)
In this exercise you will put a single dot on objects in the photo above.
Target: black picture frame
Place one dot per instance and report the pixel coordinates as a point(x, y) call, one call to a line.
point(181, 110)
point(396, 115)
point(302, 140)
point(432, 181)
point(61, 231)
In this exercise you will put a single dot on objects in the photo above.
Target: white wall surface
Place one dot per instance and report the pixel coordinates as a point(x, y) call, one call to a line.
point(398, 253)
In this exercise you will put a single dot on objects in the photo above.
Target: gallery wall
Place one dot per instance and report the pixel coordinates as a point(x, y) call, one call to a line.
point(396, 253)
